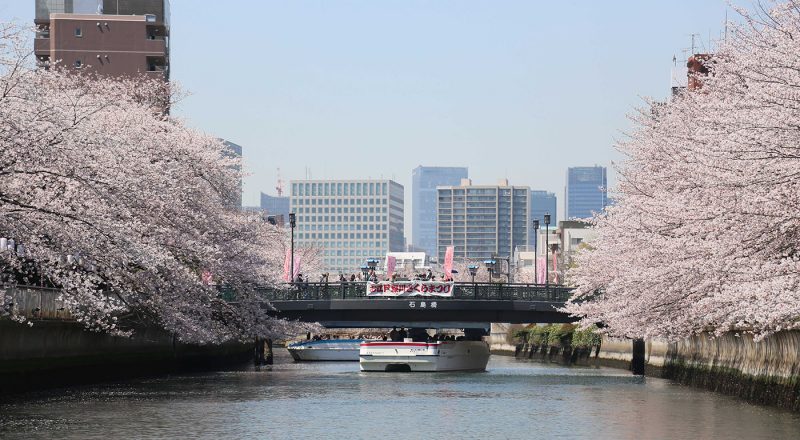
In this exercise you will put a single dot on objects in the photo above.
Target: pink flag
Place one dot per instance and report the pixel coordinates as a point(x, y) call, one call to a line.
point(541, 269)
point(286, 263)
point(391, 262)
point(296, 267)
point(448, 262)
point(555, 269)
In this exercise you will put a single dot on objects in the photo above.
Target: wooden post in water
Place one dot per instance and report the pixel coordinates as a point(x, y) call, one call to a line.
point(262, 353)
point(268, 350)
point(637, 363)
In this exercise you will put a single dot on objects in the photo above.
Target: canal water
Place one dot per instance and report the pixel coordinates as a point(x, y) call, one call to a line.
point(513, 399)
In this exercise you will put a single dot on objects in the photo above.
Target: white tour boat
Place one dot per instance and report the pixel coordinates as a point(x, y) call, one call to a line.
point(325, 350)
point(424, 356)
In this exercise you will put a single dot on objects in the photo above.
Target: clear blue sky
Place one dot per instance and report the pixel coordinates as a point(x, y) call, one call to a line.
point(358, 89)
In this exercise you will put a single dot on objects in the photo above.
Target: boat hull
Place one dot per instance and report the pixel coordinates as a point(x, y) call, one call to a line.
point(424, 357)
point(327, 350)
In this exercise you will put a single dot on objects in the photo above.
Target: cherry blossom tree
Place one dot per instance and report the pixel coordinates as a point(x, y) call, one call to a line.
point(704, 235)
point(124, 207)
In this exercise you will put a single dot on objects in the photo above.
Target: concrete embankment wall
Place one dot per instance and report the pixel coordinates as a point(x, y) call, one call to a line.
point(60, 353)
point(765, 372)
point(501, 338)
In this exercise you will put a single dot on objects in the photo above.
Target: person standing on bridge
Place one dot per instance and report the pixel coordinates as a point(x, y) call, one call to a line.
point(393, 335)
point(402, 335)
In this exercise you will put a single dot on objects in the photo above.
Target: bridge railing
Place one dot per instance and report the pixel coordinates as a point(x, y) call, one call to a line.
point(475, 291)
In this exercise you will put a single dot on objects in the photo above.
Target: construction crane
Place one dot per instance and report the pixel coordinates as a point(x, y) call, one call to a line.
point(279, 187)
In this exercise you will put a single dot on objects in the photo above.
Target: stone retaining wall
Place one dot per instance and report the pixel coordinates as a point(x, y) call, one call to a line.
point(765, 372)
point(59, 353)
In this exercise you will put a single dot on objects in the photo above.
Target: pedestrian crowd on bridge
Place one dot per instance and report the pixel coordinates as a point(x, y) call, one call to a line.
point(371, 276)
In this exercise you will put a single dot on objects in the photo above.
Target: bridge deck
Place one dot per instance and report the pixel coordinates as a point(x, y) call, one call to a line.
point(347, 305)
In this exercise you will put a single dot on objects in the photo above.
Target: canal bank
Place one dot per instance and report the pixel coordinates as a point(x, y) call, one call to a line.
point(62, 353)
point(765, 372)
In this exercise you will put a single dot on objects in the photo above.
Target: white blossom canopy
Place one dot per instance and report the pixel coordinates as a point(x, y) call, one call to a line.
point(705, 231)
point(93, 168)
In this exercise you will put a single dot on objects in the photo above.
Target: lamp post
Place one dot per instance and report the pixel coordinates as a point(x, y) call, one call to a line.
point(292, 223)
point(546, 250)
point(473, 270)
point(535, 245)
point(365, 272)
point(372, 263)
point(490, 264)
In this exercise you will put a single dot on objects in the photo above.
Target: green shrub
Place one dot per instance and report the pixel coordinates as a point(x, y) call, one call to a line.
point(521, 335)
point(560, 335)
point(586, 338)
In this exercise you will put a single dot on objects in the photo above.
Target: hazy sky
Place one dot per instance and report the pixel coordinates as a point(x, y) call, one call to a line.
point(359, 89)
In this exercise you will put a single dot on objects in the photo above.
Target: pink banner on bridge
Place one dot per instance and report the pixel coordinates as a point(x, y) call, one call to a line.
point(541, 269)
point(286, 263)
point(391, 262)
point(410, 288)
point(448, 262)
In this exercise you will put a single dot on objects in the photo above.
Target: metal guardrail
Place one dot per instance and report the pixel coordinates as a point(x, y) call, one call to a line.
point(32, 302)
point(43, 303)
point(474, 291)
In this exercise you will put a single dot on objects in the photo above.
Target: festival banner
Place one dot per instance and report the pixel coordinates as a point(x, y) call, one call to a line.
point(541, 268)
point(555, 268)
point(286, 263)
point(410, 288)
point(391, 262)
point(296, 267)
point(448, 262)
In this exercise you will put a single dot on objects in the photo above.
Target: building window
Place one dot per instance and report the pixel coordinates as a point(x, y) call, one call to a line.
point(78, 32)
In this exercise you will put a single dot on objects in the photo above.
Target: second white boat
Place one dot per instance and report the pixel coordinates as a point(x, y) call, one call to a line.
point(325, 350)
point(424, 356)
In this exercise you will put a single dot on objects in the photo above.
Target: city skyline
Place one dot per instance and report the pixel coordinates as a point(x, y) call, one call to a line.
point(473, 81)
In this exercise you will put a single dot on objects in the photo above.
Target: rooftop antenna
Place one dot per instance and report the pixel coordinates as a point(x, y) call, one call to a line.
point(726, 25)
point(279, 187)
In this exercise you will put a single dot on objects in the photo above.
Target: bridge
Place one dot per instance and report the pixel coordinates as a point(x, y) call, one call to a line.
point(346, 305)
point(472, 305)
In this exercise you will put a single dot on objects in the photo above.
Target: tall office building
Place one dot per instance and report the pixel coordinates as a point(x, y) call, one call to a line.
point(585, 193)
point(108, 37)
point(542, 202)
point(424, 181)
point(275, 205)
point(482, 220)
point(350, 220)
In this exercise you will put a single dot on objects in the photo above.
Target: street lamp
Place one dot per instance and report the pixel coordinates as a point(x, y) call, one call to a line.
point(473, 270)
point(372, 263)
point(490, 264)
point(535, 245)
point(292, 224)
point(546, 249)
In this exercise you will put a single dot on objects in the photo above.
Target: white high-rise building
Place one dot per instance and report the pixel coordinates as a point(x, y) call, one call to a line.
point(349, 220)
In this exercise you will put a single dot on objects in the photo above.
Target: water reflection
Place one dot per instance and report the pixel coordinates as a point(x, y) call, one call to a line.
point(514, 399)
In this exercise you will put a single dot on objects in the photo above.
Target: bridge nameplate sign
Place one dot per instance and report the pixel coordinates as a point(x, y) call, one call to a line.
point(410, 288)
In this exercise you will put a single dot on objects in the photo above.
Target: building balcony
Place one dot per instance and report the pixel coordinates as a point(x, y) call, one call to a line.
point(41, 46)
point(155, 46)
